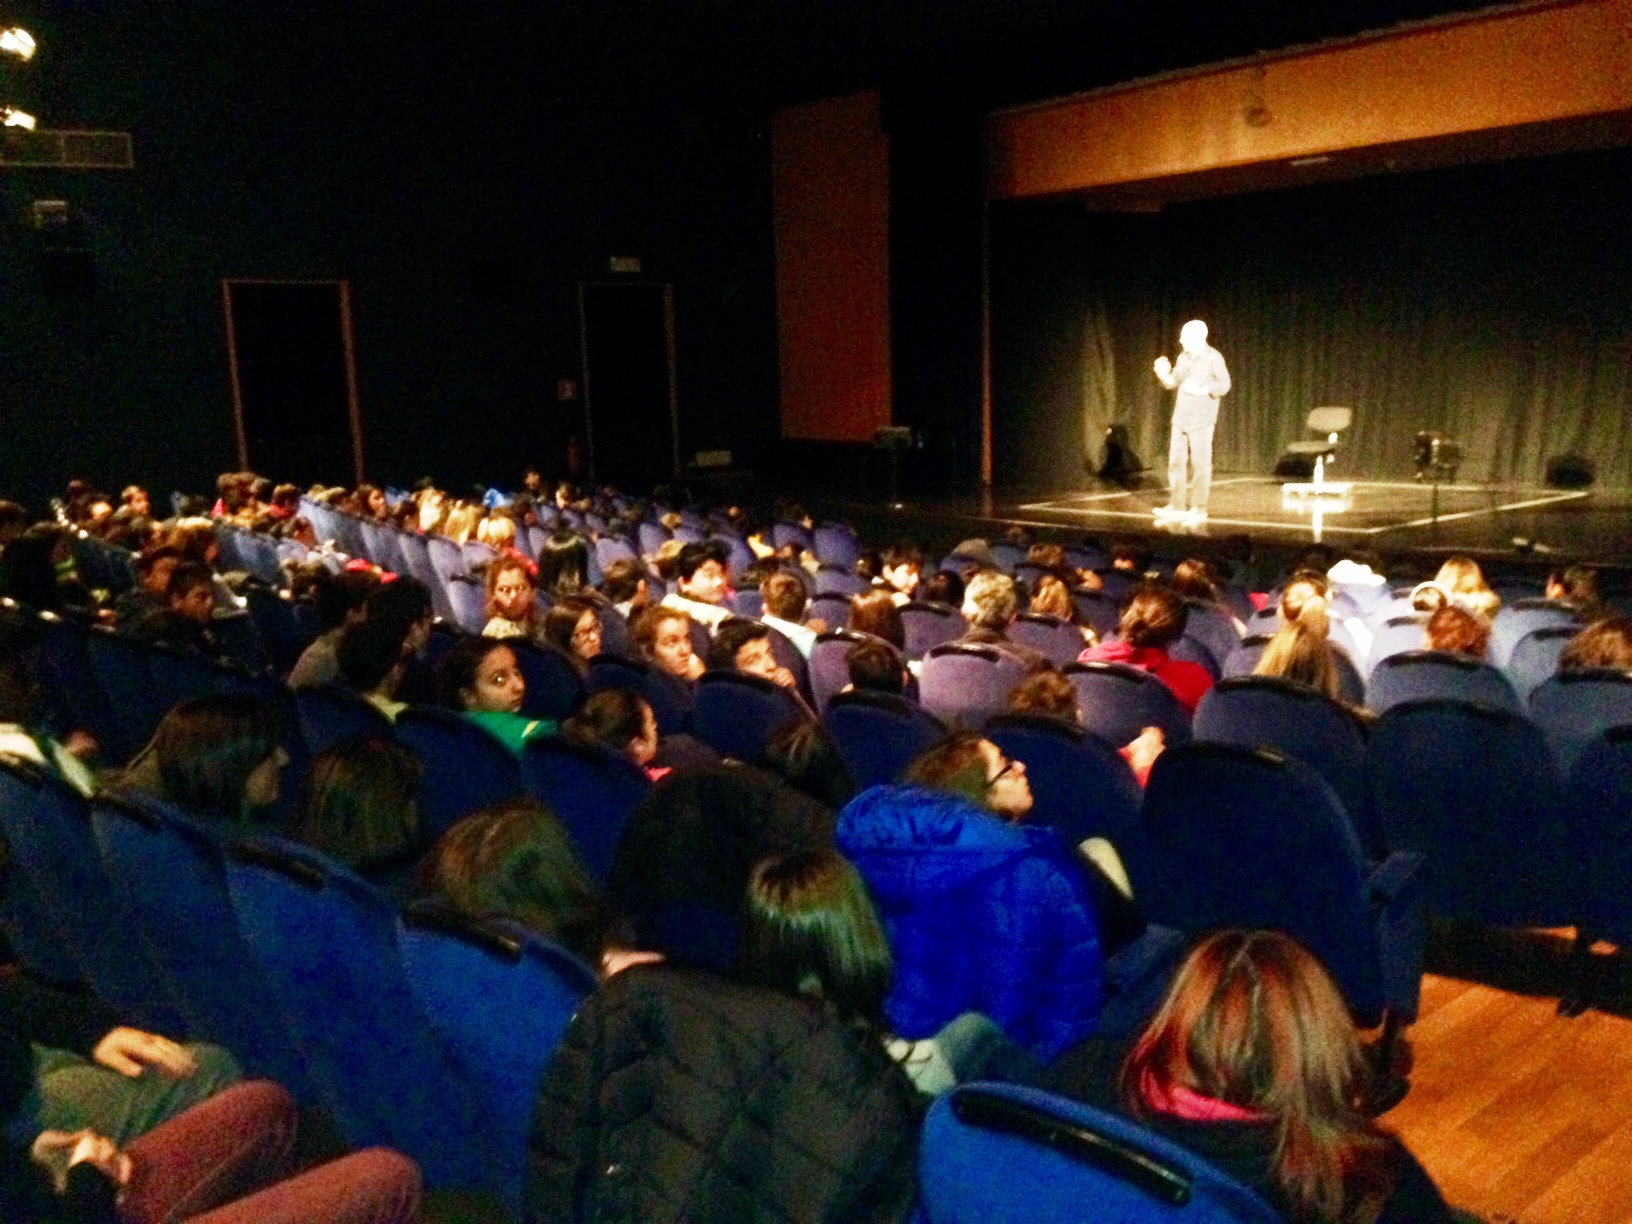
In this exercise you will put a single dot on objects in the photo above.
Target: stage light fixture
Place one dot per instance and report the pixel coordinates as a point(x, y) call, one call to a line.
point(10, 117)
point(18, 41)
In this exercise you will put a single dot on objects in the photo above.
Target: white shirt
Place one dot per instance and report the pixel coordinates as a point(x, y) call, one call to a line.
point(803, 637)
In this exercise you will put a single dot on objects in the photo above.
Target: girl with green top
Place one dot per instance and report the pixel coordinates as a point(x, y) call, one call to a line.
point(479, 677)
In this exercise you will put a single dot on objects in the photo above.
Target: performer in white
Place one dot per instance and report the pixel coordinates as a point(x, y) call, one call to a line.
point(1201, 381)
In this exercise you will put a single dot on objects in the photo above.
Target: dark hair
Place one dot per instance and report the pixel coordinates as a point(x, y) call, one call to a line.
point(368, 651)
point(620, 581)
point(1604, 643)
point(188, 576)
point(943, 587)
point(876, 667)
point(401, 604)
point(336, 595)
point(207, 747)
point(784, 594)
point(803, 754)
point(357, 802)
point(147, 560)
point(610, 718)
point(561, 622)
point(955, 764)
point(563, 564)
point(1194, 579)
point(730, 636)
point(694, 556)
point(875, 612)
point(515, 860)
point(1047, 692)
point(456, 670)
point(1154, 618)
point(1580, 586)
point(899, 554)
point(809, 928)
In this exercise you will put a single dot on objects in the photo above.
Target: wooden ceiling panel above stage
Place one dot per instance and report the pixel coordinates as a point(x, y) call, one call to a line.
point(1503, 83)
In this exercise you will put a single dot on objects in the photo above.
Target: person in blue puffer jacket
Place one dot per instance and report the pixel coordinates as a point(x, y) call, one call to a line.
point(984, 916)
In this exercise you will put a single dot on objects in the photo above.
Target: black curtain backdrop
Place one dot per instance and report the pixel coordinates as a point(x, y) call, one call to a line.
point(1493, 303)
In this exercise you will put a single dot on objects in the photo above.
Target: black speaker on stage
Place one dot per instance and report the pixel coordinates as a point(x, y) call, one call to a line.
point(1122, 465)
point(1570, 472)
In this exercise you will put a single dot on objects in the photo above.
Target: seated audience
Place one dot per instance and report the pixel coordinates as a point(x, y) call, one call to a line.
point(990, 605)
point(1463, 580)
point(1576, 585)
point(358, 805)
point(621, 722)
point(479, 677)
point(371, 503)
point(1604, 643)
point(512, 608)
point(877, 614)
point(663, 636)
point(1051, 597)
point(745, 645)
point(189, 608)
point(340, 600)
point(809, 929)
point(803, 755)
point(563, 566)
point(877, 668)
point(24, 732)
point(700, 580)
point(219, 758)
point(1153, 620)
point(153, 570)
point(1050, 693)
point(1252, 1063)
point(901, 566)
point(984, 914)
point(942, 587)
point(1428, 597)
point(785, 602)
point(1456, 630)
point(515, 861)
point(574, 629)
point(373, 658)
point(623, 585)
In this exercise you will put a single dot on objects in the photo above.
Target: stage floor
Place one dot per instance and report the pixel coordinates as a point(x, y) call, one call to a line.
point(1386, 512)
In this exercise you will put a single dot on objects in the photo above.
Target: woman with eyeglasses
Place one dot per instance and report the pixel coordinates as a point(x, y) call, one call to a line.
point(573, 628)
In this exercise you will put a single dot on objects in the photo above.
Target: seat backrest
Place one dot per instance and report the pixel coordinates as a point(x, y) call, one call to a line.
point(670, 698)
point(468, 598)
point(446, 558)
point(927, 625)
point(1573, 708)
point(1516, 619)
point(326, 944)
point(831, 608)
point(1475, 789)
point(1397, 635)
point(1080, 785)
point(331, 713)
point(836, 545)
point(750, 604)
point(878, 734)
point(1598, 798)
point(1329, 420)
point(591, 789)
point(1214, 628)
point(829, 666)
point(463, 767)
point(501, 997)
point(840, 580)
point(47, 826)
point(120, 664)
point(1098, 610)
point(1227, 853)
point(1535, 658)
point(783, 534)
point(1245, 656)
point(1192, 650)
point(1008, 556)
point(964, 684)
point(1059, 639)
point(1415, 675)
point(1007, 1154)
point(554, 687)
point(1300, 722)
point(168, 872)
point(735, 713)
point(1118, 702)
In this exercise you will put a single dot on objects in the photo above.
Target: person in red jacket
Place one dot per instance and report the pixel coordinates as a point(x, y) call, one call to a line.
point(1153, 620)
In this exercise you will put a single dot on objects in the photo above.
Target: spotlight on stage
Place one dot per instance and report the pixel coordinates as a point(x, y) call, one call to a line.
point(18, 41)
point(10, 117)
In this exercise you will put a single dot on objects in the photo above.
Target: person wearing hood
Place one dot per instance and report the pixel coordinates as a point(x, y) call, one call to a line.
point(1153, 620)
point(984, 915)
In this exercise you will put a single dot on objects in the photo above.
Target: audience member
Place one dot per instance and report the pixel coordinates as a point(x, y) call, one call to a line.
point(876, 667)
point(1463, 580)
point(1050, 693)
point(24, 732)
point(147, 597)
point(990, 605)
point(480, 678)
point(574, 628)
point(621, 722)
point(220, 758)
point(373, 657)
point(942, 587)
point(189, 608)
point(340, 600)
point(512, 606)
point(563, 565)
point(803, 755)
point(1604, 643)
point(700, 578)
point(1576, 585)
point(358, 805)
point(1252, 1062)
point(785, 602)
point(901, 567)
point(623, 585)
point(663, 637)
point(1458, 631)
point(745, 645)
point(1153, 620)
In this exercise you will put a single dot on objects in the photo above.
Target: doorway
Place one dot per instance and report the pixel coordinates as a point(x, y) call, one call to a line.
point(294, 380)
point(632, 412)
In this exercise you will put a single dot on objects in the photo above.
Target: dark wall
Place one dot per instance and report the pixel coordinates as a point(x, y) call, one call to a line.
point(464, 168)
point(1493, 303)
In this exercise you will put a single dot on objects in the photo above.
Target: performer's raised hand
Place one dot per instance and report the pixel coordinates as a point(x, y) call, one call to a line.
point(1164, 368)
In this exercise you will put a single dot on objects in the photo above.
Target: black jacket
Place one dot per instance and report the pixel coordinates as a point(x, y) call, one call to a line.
point(678, 1096)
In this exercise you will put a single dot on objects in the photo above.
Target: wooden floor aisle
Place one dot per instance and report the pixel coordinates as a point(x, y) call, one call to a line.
point(1517, 1112)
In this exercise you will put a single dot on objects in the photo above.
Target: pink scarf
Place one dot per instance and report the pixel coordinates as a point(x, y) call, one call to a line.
point(1181, 1102)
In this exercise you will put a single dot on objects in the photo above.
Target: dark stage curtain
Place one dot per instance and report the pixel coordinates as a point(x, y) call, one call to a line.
point(1493, 303)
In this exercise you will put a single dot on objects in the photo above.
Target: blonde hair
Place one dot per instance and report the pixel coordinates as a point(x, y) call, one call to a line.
point(1463, 580)
point(461, 521)
point(1049, 597)
point(1300, 651)
point(497, 531)
point(1252, 1019)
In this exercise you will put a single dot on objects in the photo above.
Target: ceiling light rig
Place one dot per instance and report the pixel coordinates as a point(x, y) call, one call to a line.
point(19, 42)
